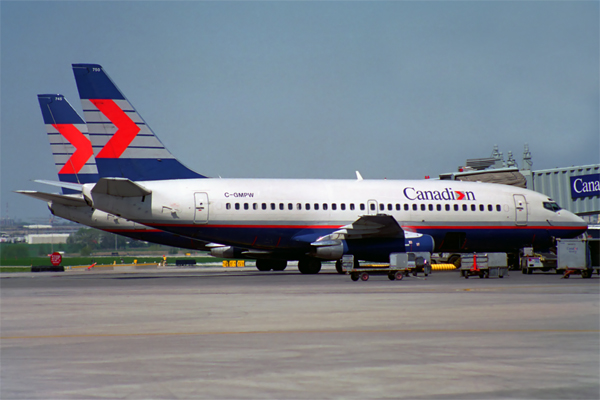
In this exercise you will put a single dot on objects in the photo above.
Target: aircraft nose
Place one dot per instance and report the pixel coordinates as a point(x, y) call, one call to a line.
point(577, 221)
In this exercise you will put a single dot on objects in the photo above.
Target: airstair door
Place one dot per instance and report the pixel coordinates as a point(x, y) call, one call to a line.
point(520, 209)
point(200, 208)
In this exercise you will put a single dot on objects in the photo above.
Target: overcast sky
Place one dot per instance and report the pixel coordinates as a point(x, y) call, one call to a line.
point(312, 89)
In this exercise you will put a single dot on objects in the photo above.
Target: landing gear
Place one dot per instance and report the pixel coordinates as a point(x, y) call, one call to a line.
point(267, 265)
point(309, 266)
point(338, 267)
point(455, 259)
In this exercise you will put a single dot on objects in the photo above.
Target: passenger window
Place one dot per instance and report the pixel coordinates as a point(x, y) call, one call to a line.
point(343, 206)
point(431, 207)
point(351, 206)
point(316, 206)
point(273, 206)
point(264, 206)
point(228, 206)
point(465, 208)
point(423, 207)
point(255, 206)
point(490, 207)
point(290, 206)
point(414, 207)
point(324, 206)
point(390, 207)
point(246, 206)
point(333, 206)
point(456, 207)
point(447, 207)
point(299, 206)
point(362, 207)
point(438, 207)
point(473, 207)
point(307, 206)
point(498, 207)
point(372, 207)
point(398, 207)
point(281, 206)
point(406, 207)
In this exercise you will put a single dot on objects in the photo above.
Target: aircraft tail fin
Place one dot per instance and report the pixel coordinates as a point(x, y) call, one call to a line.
point(124, 144)
point(71, 146)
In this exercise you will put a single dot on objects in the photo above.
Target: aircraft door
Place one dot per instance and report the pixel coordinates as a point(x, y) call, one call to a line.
point(520, 209)
point(200, 208)
point(372, 207)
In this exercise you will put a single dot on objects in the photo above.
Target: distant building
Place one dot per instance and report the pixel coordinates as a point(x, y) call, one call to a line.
point(47, 238)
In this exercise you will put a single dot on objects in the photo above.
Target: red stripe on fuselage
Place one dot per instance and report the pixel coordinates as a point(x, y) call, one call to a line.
point(253, 226)
point(407, 227)
point(127, 130)
point(83, 148)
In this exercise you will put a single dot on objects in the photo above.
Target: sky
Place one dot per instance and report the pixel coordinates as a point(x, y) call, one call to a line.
point(396, 90)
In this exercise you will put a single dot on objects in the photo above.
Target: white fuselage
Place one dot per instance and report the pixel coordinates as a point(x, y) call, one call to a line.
point(283, 213)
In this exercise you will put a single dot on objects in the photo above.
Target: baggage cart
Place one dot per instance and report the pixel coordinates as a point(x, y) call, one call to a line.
point(574, 257)
point(484, 265)
point(395, 270)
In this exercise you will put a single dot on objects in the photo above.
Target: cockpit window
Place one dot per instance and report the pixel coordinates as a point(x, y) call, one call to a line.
point(551, 205)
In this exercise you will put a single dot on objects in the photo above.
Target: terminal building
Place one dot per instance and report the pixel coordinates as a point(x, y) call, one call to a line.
point(575, 188)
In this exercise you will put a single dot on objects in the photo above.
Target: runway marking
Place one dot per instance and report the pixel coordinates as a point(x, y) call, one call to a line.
point(337, 331)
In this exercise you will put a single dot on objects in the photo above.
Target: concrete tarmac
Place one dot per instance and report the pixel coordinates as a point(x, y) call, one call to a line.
point(217, 333)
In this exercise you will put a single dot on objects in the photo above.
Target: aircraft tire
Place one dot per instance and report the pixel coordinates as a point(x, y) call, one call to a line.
point(309, 266)
point(338, 267)
point(263, 265)
point(279, 265)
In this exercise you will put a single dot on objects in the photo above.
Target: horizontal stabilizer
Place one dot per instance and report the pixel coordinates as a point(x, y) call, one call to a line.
point(67, 185)
point(67, 200)
point(121, 187)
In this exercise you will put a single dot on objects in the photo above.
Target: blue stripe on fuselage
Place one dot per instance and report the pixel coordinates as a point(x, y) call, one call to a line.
point(477, 238)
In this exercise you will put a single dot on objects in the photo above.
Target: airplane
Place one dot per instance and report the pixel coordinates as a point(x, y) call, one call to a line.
point(277, 220)
point(75, 162)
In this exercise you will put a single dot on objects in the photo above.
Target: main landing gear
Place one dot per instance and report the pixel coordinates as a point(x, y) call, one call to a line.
point(309, 266)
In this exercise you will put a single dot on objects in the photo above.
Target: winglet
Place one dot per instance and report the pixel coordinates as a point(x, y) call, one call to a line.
point(358, 176)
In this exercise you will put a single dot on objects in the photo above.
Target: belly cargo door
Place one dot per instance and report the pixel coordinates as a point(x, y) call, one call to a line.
point(200, 208)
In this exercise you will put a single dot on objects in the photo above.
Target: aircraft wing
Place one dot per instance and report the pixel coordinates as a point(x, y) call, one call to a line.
point(369, 226)
point(67, 200)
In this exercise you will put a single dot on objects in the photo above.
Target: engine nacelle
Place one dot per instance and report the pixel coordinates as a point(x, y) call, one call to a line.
point(226, 252)
point(331, 252)
point(376, 249)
